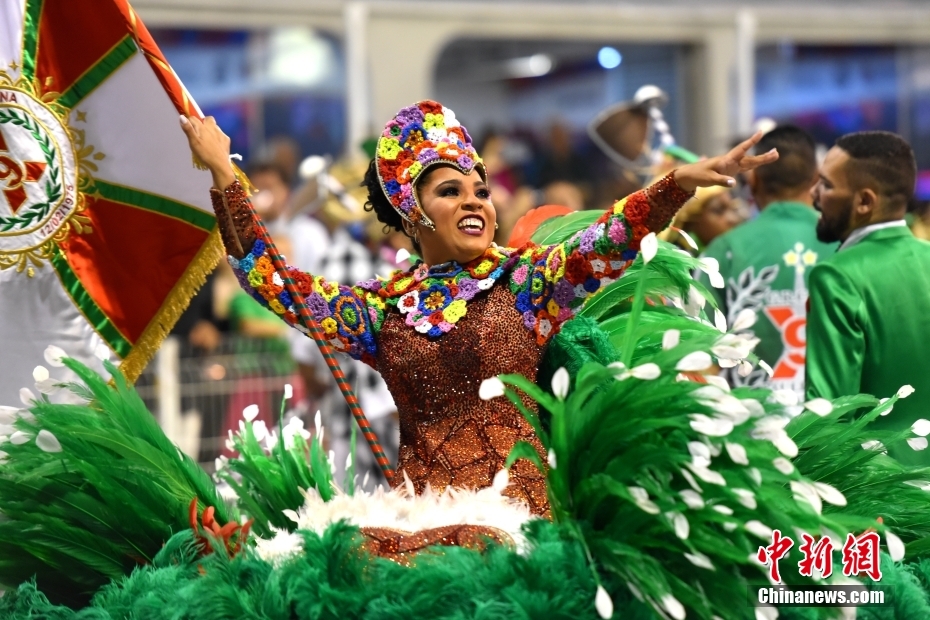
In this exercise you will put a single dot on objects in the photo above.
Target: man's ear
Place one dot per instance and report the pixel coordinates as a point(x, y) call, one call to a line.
point(867, 202)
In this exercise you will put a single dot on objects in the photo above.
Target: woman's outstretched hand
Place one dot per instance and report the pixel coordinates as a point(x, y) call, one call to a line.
point(211, 146)
point(720, 170)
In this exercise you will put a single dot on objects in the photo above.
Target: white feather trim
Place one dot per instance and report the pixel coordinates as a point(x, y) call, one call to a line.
point(397, 509)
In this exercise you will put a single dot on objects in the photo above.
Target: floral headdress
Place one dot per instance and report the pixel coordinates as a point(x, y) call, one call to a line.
point(420, 136)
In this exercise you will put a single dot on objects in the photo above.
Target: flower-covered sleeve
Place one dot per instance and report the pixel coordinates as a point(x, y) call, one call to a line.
point(552, 282)
point(349, 316)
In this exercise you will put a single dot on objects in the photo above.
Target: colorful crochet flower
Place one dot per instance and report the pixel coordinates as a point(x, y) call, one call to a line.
point(564, 293)
point(455, 311)
point(351, 315)
point(317, 305)
point(468, 287)
point(409, 302)
point(388, 148)
point(483, 268)
point(543, 327)
point(410, 115)
point(433, 121)
point(555, 263)
point(427, 156)
point(589, 236)
point(529, 319)
point(420, 272)
point(420, 136)
point(303, 281)
point(329, 290)
point(329, 325)
point(617, 232)
point(635, 209)
point(436, 298)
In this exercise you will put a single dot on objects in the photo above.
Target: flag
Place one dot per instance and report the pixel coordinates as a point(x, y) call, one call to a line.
point(106, 229)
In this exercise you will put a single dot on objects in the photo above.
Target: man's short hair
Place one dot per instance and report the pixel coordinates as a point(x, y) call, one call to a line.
point(796, 167)
point(881, 161)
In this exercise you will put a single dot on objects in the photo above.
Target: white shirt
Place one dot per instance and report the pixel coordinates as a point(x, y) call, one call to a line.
point(342, 259)
point(861, 233)
point(310, 241)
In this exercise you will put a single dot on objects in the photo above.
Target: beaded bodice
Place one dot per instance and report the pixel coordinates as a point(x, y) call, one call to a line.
point(448, 435)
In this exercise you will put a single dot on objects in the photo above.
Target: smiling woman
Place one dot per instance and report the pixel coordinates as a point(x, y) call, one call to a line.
point(471, 310)
point(458, 204)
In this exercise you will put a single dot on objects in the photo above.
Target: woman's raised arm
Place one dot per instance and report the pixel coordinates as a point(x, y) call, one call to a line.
point(552, 282)
point(348, 315)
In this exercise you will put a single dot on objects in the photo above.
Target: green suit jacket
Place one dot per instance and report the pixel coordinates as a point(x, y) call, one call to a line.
point(868, 327)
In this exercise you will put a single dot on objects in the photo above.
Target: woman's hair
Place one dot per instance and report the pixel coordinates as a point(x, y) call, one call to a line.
point(379, 203)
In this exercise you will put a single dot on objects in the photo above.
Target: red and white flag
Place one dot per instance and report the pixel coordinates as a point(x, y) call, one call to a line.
point(106, 228)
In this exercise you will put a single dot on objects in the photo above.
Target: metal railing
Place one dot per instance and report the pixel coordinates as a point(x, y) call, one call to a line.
point(199, 396)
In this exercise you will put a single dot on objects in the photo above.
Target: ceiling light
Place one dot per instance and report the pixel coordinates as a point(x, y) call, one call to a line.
point(609, 58)
point(299, 57)
point(531, 66)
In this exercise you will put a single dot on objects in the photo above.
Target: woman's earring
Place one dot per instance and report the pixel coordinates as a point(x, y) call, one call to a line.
point(496, 225)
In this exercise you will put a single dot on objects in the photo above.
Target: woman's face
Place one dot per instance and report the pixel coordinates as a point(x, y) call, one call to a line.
point(720, 214)
point(460, 206)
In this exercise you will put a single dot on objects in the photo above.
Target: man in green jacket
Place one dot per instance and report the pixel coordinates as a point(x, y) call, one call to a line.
point(869, 319)
point(765, 263)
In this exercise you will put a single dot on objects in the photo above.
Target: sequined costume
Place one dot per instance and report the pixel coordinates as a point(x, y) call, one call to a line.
point(434, 333)
point(402, 547)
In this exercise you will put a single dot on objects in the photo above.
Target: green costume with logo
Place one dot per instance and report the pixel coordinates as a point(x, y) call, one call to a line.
point(765, 264)
point(869, 325)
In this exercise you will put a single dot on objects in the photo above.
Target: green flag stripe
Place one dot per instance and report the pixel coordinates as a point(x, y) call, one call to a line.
point(98, 72)
point(88, 307)
point(31, 37)
point(159, 204)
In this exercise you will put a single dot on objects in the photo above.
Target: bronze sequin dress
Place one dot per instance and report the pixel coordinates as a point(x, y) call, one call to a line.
point(435, 333)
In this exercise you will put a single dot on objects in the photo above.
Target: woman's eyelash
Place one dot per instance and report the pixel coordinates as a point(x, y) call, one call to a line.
point(452, 191)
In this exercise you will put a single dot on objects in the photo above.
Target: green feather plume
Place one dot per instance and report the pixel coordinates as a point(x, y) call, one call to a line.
point(559, 229)
point(93, 490)
point(625, 451)
point(269, 481)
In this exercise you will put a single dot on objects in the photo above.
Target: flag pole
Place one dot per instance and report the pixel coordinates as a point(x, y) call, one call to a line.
point(308, 322)
point(153, 55)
